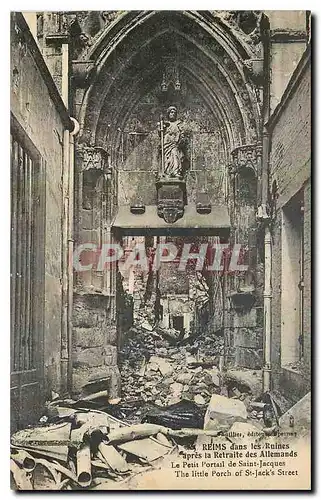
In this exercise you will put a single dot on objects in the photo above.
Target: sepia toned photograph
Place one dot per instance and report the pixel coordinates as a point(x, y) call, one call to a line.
point(160, 246)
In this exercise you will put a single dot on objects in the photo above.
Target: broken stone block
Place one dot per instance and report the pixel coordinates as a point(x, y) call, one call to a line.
point(246, 380)
point(190, 360)
point(176, 388)
point(222, 410)
point(172, 400)
point(215, 377)
point(164, 366)
point(162, 351)
point(201, 385)
point(168, 381)
point(184, 378)
point(199, 400)
point(153, 367)
point(146, 326)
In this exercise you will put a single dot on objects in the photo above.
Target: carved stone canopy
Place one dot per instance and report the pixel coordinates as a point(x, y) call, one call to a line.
point(247, 157)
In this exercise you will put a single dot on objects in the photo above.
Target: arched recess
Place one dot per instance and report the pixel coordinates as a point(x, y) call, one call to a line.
point(130, 54)
point(217, 98)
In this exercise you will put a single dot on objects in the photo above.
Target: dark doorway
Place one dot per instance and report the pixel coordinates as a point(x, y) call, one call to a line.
point(178, 323)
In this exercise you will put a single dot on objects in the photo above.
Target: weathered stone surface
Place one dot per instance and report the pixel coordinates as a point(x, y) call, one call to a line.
point(222, 410)
point(115, 382)
point(84, 318)
point(110, 355)
point(90, 357)
point(84, 374)
point(88, 337)
point(81, 375)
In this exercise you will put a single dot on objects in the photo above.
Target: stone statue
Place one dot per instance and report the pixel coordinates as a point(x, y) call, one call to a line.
point(173, 146)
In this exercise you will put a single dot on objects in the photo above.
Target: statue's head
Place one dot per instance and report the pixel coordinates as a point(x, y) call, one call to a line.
point(172, 113)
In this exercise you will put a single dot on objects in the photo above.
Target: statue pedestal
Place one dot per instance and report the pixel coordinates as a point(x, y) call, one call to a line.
point(171, 199)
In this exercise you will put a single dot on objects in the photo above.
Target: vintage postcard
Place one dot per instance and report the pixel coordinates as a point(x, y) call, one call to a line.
point(160, 250)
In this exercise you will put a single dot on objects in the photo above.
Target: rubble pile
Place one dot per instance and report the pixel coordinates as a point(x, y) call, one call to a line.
point(156, 367)
point(76, 447)
point(86, 449)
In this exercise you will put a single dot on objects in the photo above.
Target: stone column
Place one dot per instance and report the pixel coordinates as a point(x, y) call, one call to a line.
point(245, 300)
point(94, 315)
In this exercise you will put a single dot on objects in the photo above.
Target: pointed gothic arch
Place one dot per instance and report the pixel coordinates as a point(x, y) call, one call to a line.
point(129, 56)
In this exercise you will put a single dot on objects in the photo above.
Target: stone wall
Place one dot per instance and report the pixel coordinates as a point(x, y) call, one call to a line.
point(36, 106)
point(307, 274)
point(290, 164)
point(288, 42)
point(94, 343)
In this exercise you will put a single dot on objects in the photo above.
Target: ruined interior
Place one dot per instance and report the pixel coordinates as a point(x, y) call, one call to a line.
point(165, 307)
point(170, 59)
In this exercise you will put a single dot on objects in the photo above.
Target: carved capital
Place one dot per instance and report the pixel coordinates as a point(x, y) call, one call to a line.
point(92, 158)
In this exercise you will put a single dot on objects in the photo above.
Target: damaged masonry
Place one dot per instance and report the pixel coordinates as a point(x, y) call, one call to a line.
point(160, 243)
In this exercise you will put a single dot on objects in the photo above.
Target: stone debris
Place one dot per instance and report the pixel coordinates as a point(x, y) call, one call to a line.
point(223, 410)
point(198, 398)
point(165, 368)
point(175, 396)
point(146, 326)
point(246, 381)
point(152, 364)
point(104, 452)
point(94, 446)
point(99, 451)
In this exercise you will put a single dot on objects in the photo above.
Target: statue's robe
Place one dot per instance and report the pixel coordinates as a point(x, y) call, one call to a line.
point(173, 154)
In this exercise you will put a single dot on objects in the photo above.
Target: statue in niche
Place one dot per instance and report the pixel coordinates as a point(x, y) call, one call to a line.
point(174, 142)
